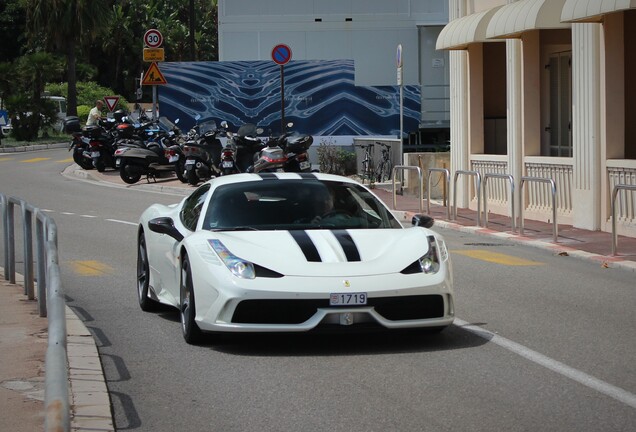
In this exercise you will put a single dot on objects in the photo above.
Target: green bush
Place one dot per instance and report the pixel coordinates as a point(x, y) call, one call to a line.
point(87, 93)
point(82, 113)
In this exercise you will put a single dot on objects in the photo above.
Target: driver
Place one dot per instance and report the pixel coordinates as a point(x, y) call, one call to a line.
point(324, 206)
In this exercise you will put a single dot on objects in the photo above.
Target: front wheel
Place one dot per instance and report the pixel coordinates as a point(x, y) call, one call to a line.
point(83, 162)
point(191, 331)
point(128, 174)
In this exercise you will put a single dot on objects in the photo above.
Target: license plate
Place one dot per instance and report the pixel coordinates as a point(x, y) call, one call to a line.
point(94, 154)
point(190, 162)
point(117, 163)
point(173, 158)
point(228, 164)
point(348, 299)
point(305, 165)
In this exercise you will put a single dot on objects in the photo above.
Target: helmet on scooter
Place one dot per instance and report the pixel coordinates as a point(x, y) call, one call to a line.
point(119, 115)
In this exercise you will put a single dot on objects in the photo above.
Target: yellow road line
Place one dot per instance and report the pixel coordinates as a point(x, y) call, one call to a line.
point(91, 268)
point(497, 258)
point(35, 160)
point(66, 160)
point(2, 159)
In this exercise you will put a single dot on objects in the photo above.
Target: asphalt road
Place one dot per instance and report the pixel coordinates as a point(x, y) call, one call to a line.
point(541, 342)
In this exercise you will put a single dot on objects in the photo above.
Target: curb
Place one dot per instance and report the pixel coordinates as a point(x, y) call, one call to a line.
point(34, 147)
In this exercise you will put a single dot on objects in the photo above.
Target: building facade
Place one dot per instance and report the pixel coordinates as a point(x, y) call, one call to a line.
point(365, 31)
point(543, 89)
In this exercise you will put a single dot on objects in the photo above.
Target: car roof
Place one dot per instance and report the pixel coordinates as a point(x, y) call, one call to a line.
point(245, 177)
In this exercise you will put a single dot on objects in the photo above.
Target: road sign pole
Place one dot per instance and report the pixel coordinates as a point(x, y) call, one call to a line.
point(154, 102)
point(282, 99)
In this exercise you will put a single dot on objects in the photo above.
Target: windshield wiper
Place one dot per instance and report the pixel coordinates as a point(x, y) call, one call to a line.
point(236, 228)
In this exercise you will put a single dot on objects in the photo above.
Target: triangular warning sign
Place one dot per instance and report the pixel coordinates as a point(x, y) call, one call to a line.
point(153, 76)
point(111, 102)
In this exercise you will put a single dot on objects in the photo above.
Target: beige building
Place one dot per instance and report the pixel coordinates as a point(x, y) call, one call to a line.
point(545, 89)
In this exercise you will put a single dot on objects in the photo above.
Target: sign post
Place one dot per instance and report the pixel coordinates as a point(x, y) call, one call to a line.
point(400, 82)
point(281, 54)
point(153, 39)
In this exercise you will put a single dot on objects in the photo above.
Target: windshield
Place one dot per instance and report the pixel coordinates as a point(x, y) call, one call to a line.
point(207, 126)
point(166, 124)
point(295, 205)
point(248, 129)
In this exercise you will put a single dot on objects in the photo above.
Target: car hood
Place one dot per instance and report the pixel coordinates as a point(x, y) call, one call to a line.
point(326, 252)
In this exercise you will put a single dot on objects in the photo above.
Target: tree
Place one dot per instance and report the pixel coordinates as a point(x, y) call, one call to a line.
point(66, 25)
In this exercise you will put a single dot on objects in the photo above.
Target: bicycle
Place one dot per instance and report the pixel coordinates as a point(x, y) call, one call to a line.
point(367, 163)
point(383, 173)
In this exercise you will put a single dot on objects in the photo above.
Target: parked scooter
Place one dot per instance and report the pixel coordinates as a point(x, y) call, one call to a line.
point(296, 148)
point(202, 151)
point(248, 144)
point(157, 157)
point(79, 143)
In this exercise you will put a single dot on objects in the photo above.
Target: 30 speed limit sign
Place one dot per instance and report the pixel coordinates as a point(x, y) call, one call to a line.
point(153, 38)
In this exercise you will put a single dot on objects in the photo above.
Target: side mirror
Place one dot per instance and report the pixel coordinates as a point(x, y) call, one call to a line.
point(290, 124)
point(197, 117)
point(165, 225)
point(422, 221)
point(259, 130)
point(224, 124)
point(176, 121)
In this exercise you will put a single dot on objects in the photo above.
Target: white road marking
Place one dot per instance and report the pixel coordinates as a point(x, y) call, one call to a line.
point(574, 374)
point(121, 222)
point(88, 216)
point(67, 213)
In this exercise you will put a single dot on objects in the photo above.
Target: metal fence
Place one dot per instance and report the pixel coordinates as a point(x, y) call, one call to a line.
point(50, 298)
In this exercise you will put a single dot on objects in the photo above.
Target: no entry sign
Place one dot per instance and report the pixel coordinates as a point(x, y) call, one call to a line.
point(281, 54)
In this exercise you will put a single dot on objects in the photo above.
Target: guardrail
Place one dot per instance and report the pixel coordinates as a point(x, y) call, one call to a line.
point(477, 190)
point(428, 189)
point(511, 181)
point(555, 226)
point(613, 206)
point(56, 398)
point(420, 183)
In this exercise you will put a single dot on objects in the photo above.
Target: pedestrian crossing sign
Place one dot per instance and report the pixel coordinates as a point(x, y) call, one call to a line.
point(153, 76)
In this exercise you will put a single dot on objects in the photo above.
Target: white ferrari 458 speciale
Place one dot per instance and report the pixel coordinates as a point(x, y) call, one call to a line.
point(287, 252)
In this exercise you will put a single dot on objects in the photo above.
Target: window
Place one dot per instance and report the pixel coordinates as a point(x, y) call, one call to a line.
point(192, 207)
point(560, 127)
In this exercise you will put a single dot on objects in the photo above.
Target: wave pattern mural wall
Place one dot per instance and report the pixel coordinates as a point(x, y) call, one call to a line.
point(321, 97)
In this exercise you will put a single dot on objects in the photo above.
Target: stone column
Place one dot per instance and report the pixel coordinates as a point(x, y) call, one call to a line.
point(586, 115)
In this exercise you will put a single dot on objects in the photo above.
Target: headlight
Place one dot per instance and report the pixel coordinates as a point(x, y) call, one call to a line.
point(238, 266)
point(430, 262)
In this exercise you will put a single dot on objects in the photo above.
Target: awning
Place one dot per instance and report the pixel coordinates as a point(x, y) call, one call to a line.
point(515, 18)
point(593, 10)
point(461, 32)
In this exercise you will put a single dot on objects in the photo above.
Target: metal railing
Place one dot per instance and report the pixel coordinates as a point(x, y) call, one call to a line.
point(56, 398)
point(428, 189)
point(617, 187)
point(477, 191)
point(511, 181)
point(555, 226)
point(420, 184)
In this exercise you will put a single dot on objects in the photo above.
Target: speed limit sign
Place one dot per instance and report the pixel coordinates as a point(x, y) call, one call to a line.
point(153, 38)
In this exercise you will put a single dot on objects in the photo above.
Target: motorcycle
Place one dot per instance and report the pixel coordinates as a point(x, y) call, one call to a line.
point(296, 148)
point(248, 144)
point(79, 143)
point(159, 156)
point(202, 151)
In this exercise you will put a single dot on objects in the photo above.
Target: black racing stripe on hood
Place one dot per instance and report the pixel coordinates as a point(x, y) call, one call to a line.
point(268, 176)
point(348, 245)
point(310, 176)
point(306, 245)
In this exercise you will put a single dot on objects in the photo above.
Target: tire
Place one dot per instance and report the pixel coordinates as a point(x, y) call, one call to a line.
point(181, 171)
point(384, 171)
point(84, 163)
point(192, 177)
point(143, 276)
point(187, 310)
point(100, 165)
point(128, 178)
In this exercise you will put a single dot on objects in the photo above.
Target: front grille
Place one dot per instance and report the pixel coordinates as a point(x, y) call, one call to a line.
point(298, 311)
